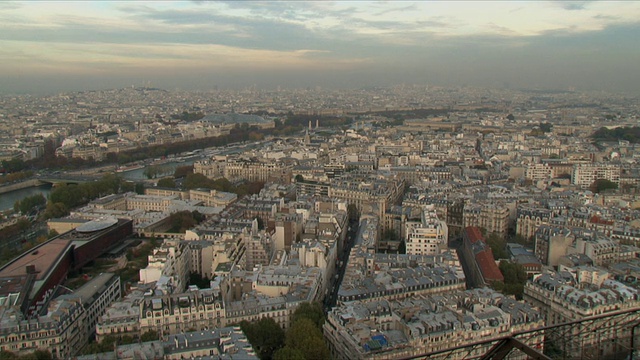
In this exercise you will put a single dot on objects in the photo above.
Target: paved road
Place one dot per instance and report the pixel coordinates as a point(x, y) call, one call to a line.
point(332, 297)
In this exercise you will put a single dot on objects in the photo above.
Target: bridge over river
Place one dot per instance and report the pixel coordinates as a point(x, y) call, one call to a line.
point(68, 179)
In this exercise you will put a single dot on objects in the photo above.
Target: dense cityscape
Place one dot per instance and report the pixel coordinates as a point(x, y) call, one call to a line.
point(365, 224)
point(319, 180)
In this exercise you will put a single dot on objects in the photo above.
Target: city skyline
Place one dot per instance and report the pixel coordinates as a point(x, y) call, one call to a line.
point(61, 46)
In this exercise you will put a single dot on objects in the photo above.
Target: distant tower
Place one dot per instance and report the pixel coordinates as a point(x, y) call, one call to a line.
point(309, 124)
point(307, 139)
point(317, 121)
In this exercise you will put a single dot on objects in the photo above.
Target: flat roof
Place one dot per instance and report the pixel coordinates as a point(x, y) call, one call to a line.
point(97, 224)
point(91, 288)
point(42, 257)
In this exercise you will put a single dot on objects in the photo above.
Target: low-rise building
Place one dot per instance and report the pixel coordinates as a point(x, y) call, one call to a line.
point(479, 264)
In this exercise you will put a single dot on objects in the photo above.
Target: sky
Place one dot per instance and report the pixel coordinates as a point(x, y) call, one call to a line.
point(51, 46)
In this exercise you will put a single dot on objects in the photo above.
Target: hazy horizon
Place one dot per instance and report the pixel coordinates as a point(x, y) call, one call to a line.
point(199, 45)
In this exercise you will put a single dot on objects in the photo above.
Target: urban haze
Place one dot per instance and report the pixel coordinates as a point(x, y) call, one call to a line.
point(54, 46)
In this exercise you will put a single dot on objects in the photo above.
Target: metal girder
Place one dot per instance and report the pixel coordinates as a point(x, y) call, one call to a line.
point(500, 350)
point(567, 333)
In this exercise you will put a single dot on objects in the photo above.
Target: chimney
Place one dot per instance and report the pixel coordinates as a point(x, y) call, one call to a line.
point(31, 269)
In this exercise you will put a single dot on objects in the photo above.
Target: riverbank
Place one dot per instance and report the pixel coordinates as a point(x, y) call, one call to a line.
point(21, 185)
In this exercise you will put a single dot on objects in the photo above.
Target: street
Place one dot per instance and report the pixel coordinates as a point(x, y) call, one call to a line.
point(341, 266)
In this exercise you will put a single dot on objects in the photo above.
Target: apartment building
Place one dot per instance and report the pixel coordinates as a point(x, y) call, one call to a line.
point(213, 168)
point(269, 291)
point(168, 267)
point(212, 197)
point(240, 169)
point(368, 193)
point(492, 216)
point(66, 325)
point(538, 171)
point(551, 243)
point(529, 219)
point(427, 237)
point(585, 174)
point(220, 343)
point(560, 299)
point(415, 326)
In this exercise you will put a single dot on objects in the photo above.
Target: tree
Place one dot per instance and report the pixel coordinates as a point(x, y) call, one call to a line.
point(546, 127)
point(109, 184)
point(265, 335)
point(42, 355)
point(13, 165)
point(28, 203)
point(8, 355)
point(127, 186)
point(311, 311)
point(631, 134)
point(139, 188)
point(167, 182)
point(151, 171)
point(521, 240)
point(248, 188)
point(305, 336)
point(150, 335)
point(288, 353)
point(498, 246)
point(299, 178)
point(510, 117)
point(601, 185)
point(514, 279)
point(23, 224)
point(197, 216)
point(183, 171)
point(55, 210)
point(196, 181)
point(181, 221)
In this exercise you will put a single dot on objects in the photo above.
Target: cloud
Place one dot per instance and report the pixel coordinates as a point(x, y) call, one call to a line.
point(573, 5)
point(339, 43)
point(9, 5)
point(411, 7)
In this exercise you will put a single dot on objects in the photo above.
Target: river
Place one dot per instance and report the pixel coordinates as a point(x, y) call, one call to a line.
point(169, 168)
point(8, 199)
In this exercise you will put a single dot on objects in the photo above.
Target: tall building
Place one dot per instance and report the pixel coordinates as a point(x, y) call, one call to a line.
point(551, 243)
point(427, 237)
point(585, 174)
